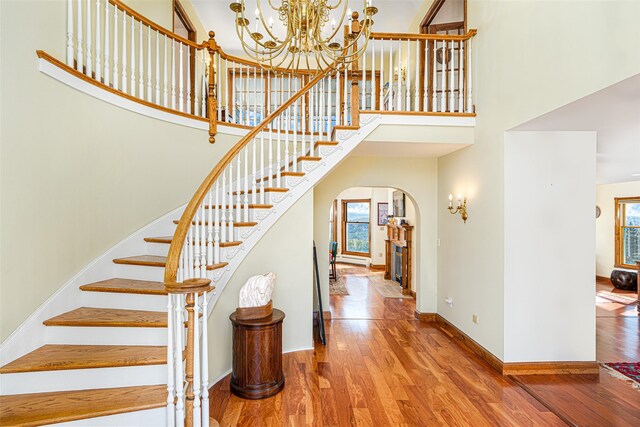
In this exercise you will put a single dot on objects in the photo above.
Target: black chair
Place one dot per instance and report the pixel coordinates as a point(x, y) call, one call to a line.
point(333, 252)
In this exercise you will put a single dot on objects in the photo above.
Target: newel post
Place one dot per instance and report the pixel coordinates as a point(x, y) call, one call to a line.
point(212, 101)
point(355, 90)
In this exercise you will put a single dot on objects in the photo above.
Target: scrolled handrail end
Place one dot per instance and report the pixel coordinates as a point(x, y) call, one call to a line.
point(189, 286)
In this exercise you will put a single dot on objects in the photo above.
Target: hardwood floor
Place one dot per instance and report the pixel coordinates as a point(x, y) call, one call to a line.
point(598, 400)
point(382, 367)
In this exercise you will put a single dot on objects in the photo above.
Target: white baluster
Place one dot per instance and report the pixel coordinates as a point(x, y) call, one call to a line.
point(70, 33)
point(79, 41)
point(203, 85)
point(197, 416)
point(170, 361)
point(434, 78)
point(188, 82)
point(165, 72)
point(223, 222)
point(179, 330)
point(460, 77)
point(452, 80)
point(295, 132)
point(205, 363)
point(107, 42)
point(245, 198)
point(303, 122)
point(336, 103)
point(390, 92)
point(321, 111)
point(238, 192)
point(196, 245)
point(425, 82)
point(373, 75)
point(181, 79)
point(124, 53)
point(203, 236)
point(253, 172)
point(173, 74)
point(469, 79)
point(362, 89)
point(213, 227)
point(278, 152)
point(416, 99)
point(219, 86)
point(407, 91)
point(132, 48)
point(149, 73)
point(381, 96)
point(116, 71)
point(231, 236)
point(345, 80)
point(233, 94)
point(98, 42)
point(262, 168)
point(157, 67)
point(226, 91)
point(399, 68)
point(89, 65)
point(190, 252)
point(270, 173)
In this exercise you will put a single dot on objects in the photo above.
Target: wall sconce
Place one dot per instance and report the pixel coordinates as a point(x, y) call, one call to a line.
point(462, 207)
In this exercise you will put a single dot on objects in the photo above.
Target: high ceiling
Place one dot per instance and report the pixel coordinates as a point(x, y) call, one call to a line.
point(393, 16)
point(614, 113)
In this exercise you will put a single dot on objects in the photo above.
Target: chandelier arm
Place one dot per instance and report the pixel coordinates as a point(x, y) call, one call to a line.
point(264, 24)
point(335, 32)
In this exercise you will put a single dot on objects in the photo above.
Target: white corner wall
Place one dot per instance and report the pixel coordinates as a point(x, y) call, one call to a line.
point(605, 225)
point(287, 250)
point(417, 178)
point(549, 241)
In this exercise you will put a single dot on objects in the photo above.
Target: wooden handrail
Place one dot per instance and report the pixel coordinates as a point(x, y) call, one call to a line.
point(171, 268)
point(411, 36)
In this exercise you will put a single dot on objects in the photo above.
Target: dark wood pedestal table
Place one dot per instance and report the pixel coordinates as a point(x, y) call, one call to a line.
point(257, 356)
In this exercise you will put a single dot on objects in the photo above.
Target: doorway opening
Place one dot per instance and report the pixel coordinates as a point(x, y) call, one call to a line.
point(372, 254)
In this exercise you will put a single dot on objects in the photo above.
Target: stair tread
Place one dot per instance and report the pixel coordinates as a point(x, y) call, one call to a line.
point(64, 406)
point(168, 239)
point(275, 175)
point(235, 224)
point(310, 158)
point(110, 317)
point(55, 357)
point(126, 286)
point(327, 143)
point(145, 260)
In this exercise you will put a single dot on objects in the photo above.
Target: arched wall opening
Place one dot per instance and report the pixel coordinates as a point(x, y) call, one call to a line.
point(416, 177)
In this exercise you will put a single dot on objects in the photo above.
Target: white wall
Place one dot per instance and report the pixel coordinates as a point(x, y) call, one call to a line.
point(549, 246)
point(77, 174)
point(529, 57)
point(417, 178)
point(605, 225)
point(287, 250)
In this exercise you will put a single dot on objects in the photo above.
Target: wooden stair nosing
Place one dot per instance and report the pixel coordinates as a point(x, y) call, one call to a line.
point(109, 317)
point(126, 286)
point(36, 409)
point(143, 260)
point(266, 190)
point(325, 144)
point(235, 224)
point(309, 158)
point(283, 174)
point(56, 357)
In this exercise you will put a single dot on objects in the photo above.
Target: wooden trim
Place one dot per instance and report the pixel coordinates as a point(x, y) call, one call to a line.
point(192, 36)
point(171, 269)
point(414, 36)
point(335, 220)
point(343, 229)
point(43, 55)
point(184, 17)
point(602, 277)
point(550, 368)
point(377, 267)
point(413, 294)
point(463, 339)
point(619, 206)
point(425, 317)
point(431, 13)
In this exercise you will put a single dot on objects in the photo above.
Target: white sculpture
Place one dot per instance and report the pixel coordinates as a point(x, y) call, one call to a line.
point(257, 291)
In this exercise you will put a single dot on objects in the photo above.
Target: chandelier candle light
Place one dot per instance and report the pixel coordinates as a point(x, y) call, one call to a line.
point(306, 35)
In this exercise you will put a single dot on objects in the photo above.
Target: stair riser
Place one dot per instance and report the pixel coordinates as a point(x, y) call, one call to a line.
point(307, 166)
point(124, 301)
point(148, 418)
point(162, 249)
point(105, 335)
point(140, 272)
point(270, 198)
point(79, 379)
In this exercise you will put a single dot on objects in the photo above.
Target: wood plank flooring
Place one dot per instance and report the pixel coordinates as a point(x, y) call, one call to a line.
point(382, 367)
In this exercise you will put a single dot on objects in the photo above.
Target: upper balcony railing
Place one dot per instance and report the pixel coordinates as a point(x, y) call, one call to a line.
point(115, 46)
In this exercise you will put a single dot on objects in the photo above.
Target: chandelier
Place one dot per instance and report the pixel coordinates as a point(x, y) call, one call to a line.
point(307, 35)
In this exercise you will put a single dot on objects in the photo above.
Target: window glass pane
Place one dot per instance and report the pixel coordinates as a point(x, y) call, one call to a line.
point(632, 214)
point(631, 245)
point(357, 237)
point(358, 212)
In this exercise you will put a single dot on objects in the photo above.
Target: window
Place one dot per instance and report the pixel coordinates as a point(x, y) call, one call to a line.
point(356, 227)
point(627, 231)
point(333, 221)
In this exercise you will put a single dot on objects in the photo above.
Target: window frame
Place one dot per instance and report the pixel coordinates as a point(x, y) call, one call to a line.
point(178, 10)
point(344, 223)
point(619, 226)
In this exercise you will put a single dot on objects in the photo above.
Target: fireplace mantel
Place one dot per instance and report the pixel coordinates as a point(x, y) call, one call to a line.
point(399, 236)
